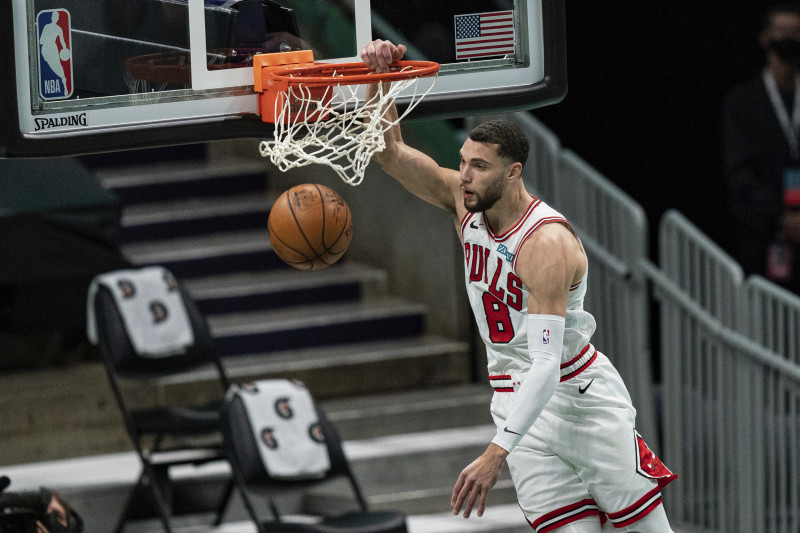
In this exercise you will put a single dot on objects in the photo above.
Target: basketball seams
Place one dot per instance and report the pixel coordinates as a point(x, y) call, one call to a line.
point(329, 249)
point(322, 202)
point(301, 228)
point(345, 227)
point(284, 244)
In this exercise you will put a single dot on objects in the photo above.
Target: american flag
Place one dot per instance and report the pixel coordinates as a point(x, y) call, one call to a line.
point(484, 34)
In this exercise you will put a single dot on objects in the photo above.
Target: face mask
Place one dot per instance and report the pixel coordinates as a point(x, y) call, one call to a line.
point(787, 49)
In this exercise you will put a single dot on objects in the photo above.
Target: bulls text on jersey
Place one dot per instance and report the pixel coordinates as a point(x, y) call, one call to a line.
point(485, 267)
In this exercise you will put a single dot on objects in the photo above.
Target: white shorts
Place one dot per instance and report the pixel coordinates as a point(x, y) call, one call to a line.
point(582, 457)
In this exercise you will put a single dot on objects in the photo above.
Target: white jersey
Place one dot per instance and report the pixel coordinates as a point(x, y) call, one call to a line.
point(499, 299)
point(582, 457)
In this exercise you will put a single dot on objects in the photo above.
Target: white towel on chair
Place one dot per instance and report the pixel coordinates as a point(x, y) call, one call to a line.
point(286, 428)
point(151, 307)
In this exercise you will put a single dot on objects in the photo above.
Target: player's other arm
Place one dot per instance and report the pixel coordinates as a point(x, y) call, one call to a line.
point(548, 264)
point(416, 171)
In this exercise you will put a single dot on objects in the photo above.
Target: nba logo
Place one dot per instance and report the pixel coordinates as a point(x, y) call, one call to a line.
point(54, 42)
point(545, 336)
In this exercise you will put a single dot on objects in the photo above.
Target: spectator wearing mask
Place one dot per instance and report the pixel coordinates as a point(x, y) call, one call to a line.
point(761, 127)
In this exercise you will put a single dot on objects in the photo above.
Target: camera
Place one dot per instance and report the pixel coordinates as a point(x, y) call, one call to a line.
point(19, 511)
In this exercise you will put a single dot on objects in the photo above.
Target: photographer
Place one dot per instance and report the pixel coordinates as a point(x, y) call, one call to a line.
point(42, 511)
point(60, 517)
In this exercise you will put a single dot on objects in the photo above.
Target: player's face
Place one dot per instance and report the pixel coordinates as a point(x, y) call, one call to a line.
point(483, 175)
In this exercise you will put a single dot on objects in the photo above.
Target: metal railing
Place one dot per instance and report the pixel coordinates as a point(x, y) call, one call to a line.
point(773, 321)
point(698, 290)
point(716, 418)
point(700, 268)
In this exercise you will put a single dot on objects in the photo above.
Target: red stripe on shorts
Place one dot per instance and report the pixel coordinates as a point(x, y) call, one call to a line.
point(501, 389)
point(574, 359)
point(638, 510)
point(565, 515)
point(581, 369)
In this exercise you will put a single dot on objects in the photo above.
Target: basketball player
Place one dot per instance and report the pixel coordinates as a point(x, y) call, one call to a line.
point(565, 423)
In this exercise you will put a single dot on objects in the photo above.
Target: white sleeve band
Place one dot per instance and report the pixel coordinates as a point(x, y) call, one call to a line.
point(545, 339)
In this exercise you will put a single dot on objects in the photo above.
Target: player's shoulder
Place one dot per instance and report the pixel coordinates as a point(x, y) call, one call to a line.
point(555, 240)
point(551, 251)
point(555, 233)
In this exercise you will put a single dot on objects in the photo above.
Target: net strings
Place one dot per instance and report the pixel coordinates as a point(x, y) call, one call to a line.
point(347, 139)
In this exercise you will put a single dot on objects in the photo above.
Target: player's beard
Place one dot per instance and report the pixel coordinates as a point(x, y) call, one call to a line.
point(483, 202)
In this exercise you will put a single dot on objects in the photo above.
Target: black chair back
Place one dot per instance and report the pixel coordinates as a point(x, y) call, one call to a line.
point(152, 427)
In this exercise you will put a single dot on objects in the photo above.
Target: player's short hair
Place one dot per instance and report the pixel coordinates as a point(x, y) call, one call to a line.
point(782, 7)
point(513, 142)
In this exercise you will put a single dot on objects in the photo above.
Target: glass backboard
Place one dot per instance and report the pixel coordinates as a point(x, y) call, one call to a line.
point(84, 76)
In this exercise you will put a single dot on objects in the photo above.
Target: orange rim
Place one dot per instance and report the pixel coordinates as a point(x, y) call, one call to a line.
point(353, 73)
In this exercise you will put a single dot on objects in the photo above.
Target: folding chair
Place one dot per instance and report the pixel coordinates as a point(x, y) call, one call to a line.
point(253, 478)
point(161, 435)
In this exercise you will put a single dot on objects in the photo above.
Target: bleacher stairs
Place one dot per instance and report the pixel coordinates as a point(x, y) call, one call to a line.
point(207, 224)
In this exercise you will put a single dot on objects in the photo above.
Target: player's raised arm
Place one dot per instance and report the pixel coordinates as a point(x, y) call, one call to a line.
point(416, 171)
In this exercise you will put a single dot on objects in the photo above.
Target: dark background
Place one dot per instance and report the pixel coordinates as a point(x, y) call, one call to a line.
point(647, 81)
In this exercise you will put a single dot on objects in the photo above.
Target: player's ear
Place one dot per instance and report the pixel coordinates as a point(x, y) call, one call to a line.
point(515, 170)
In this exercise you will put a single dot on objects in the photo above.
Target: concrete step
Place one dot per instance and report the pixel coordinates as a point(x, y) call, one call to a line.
point(412, 472)
point(316, 325)
point(498, 518)
point(76, 413)
point(282, 288)
point(195, 216)
point(82, 400)
point(179, 180)
point(208, 255)
point(410, 411)
point(355, 369)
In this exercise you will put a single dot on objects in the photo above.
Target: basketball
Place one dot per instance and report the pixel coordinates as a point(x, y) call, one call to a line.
point(64, 54)
point(310, 227)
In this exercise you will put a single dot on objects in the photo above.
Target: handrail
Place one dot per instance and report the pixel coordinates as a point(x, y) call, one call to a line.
point(722, 333)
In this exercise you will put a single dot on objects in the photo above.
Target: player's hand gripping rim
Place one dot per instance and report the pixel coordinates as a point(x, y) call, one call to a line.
point(379, 54)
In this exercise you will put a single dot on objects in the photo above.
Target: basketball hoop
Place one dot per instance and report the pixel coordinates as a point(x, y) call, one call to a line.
point(318, 114)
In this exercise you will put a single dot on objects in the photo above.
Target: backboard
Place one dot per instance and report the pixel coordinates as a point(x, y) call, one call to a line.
point(84, 76)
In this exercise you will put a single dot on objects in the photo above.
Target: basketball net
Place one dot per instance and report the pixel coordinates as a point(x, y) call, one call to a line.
point(347, 138)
